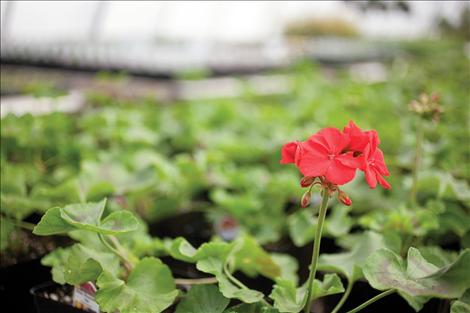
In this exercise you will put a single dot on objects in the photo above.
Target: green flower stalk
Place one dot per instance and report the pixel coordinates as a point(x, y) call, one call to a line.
point(316, 250)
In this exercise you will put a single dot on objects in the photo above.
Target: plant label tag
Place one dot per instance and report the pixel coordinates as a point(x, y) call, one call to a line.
point(84, 297)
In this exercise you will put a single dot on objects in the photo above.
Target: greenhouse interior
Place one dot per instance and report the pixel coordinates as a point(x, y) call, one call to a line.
point(235, 157)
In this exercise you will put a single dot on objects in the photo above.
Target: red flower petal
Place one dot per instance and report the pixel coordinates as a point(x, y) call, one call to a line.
point(373, 140)
point(383, 182)
point(349, 160)
point(314, 163)
point(332, 139)
point(379, 162)
point(318, 140)
point(336, 155)
point(339, 174)
point(358, 138)
point(371, 177)
point(289, 152)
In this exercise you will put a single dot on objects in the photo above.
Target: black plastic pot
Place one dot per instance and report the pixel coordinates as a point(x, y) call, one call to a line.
point(48, 305)
point(16, 282)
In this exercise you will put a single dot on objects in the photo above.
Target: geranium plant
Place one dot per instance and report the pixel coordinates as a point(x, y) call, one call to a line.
point(117, 254)
point(115, 251)
point(330, 158)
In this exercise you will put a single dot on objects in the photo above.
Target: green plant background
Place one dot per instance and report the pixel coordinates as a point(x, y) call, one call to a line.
point(221, 157)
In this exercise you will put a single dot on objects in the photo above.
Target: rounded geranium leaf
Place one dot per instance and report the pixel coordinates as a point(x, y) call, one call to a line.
point(204, 298)
point(416, 277)
point(52, 223)
point(118, 222)
point(150, 288)
point(83, 215)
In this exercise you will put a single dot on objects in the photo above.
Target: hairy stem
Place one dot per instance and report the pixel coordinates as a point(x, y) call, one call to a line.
point(234, 280)
point(417, 161)
point(195, 281)
point(343, 298)
point(372, 300)
point(316, 250)
point(19, 223)
point(127, 263)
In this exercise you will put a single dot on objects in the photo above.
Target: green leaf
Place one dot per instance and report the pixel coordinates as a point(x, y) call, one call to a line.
point(417, 277)
point(203, 299)
point(418, 221)
point(288, 266)
point(6, 229)
point(17, 206)
point(118, 222)
point(79, 271)
point(338, 222)
point(150, 288)
point(350, 263)
point(236, 204)
point(214, 265)
point(78, 264)
point(84, 215)
point(444, 185)
point(182, 250)
point(465, 240)
point(80, 254)
point(251, 259)
point(52, 223)
point(57, 260)
point(330, 285)
point(461, 305)
point(215, 249)
point(211, 258)
point(251, 308)
point(302, 227)
point(456, 219)
point(288, 298)
point(438, 256)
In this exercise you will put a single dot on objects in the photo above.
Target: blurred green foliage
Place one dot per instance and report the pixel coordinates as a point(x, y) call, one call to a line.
point(222, 156)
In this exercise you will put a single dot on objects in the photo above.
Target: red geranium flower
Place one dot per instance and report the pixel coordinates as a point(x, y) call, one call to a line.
point(374, 165)
point(334, 156)
point(324, 156)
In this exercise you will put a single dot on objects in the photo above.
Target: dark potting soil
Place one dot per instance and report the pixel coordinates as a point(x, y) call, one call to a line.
point(393, 303)
point(191, 225)
point(182, 269)
point(25, 247)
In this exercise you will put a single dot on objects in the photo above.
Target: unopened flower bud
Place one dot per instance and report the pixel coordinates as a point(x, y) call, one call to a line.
point(344, 198)
point(307, 181)
point(305, 201)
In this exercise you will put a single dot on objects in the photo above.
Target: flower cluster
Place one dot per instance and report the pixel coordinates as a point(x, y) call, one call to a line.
point(333, 156)
point(427, 106)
